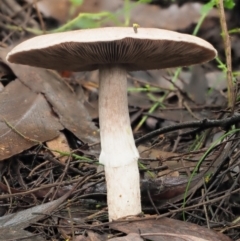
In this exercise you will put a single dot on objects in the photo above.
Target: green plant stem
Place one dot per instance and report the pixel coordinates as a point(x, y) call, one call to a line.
point(92, 16)
point(235, 30)
point(126, 12)
point(144, 89)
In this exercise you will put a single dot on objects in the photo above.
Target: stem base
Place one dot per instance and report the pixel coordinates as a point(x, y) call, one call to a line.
point(123, 190)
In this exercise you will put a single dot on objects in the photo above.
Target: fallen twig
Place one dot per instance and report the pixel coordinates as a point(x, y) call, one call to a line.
point(200, 125)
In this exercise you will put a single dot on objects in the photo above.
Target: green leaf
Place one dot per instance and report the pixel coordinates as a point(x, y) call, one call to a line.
point(77, 2)
point(144, 1)
point(229, 4)
point(207, 7)
point(86, 20)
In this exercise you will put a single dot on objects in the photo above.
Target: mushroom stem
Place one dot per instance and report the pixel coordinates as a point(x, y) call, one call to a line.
point(119, 153)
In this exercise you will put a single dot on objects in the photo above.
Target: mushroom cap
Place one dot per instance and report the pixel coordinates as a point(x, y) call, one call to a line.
point(83, 50)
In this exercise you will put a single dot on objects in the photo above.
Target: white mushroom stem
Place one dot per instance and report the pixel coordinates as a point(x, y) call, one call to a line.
point(119, 154)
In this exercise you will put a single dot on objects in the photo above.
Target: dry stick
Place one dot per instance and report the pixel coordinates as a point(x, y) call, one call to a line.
point(3, 24)
point(216, 179)
point(15, 7)
point(22, 193)
point(40, 17)
point(153, 204)
point(200, 125)
point(206, 194)
point(70, 219)
point(227, 47)
point(199, 107)
point(5, 8)
point(19, 175)
point(26, 5)
point(190, 110)
point(94, 215)
point(176, 142)
point(37, 142)
point(61, 178)
point(219, 198)
point(214, 200)
point(205, 211)
point(228, 191)
point(36, 168)
point(190, 214)
point(9, 190)
point(53, 160)
point(185, 237)
point(7, 19)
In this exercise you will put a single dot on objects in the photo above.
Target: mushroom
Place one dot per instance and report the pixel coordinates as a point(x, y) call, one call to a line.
point(114, 51)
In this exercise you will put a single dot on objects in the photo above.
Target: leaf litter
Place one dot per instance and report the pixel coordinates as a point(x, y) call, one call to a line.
point(25, 120)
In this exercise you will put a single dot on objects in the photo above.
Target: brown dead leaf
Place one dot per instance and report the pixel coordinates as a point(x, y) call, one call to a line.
point(168, 173)
point(1, 87)
point(57, 145)
point(177, 115)
point(169, 229)
point(129, 237)
point(198, 87)
point(59, 11)
point(216, 80)
point(81, 238)
point(181, 17)
point(92, 236)
point(71, 112)
point(147, 152)
point(62, 10)
point(26, 119)
point(12, 225)
point(10, 234)
point(95, 236)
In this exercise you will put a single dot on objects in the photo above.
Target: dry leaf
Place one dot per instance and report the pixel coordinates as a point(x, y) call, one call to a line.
point(165, 229)
point(71, 112)
point(12, 225)
point(26, 120)
point(58, 145)
point(129, 237)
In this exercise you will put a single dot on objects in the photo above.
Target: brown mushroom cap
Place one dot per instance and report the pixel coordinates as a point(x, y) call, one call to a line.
point(83, 50)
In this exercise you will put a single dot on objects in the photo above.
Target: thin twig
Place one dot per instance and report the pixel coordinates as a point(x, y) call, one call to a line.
point(227, 47)
point(201, 125)
point(71, 219)
point(153, 204)
point(205, 211)
point(9, 190)
point(40, 17)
